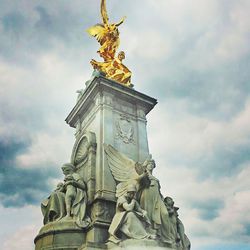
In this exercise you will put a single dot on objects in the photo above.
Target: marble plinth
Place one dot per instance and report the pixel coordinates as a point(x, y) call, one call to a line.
point(63, 235)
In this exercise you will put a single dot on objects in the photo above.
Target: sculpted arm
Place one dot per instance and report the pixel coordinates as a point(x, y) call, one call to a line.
point(78, 184)
point(138, 208)
point(140, 177)
point(129, 206)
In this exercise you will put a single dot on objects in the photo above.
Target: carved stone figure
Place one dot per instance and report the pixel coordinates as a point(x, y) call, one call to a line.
point(53, 208)
point(130, 220)
point(68, 201)
point(151, 200)
point(107, 34)
point(125, 172)
point(182, 240)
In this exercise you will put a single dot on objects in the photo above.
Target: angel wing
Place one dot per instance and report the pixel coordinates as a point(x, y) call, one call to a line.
point(98, 31)
point(124, 170)
point(104, 12)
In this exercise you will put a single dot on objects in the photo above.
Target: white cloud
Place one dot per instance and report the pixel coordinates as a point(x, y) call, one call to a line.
point(19, 231)
point(47, 148)
point(190, 135)
point(35, 103)
point(21, 239)
point(182, 184)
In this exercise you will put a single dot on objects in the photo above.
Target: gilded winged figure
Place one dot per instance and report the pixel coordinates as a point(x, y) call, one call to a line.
point(107, 34)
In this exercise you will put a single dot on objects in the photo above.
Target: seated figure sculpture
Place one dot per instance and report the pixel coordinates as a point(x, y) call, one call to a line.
point(115, 69)
point(68, 201)
point(130, 220)
point(53, 208)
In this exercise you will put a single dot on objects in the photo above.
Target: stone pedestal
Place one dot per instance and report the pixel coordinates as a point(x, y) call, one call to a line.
point(110, 113)
point(60, 235)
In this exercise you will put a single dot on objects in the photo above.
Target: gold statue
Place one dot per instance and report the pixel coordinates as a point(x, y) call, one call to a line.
point(107, 34)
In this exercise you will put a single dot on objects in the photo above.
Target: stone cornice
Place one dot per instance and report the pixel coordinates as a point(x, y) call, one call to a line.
point(101, 84)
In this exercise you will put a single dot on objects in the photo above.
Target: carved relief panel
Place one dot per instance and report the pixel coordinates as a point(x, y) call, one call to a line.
point(84, 159)
point(125, 129)
point(103, 211)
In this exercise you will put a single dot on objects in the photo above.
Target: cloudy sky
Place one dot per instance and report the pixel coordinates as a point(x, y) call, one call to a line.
point(192, 55)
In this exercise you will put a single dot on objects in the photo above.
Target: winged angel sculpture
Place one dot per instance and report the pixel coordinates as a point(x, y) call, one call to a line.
point(107, 34)
point(128, 172)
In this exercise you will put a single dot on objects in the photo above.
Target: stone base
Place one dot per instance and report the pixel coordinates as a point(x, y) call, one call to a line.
point(137, 245)
point(63, 235)
point(93, 246)
point(66, 235)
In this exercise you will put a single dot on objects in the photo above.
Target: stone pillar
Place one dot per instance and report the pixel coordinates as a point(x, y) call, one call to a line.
point(108, 113)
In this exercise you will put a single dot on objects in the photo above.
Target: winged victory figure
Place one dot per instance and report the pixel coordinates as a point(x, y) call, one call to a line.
point(126, 172)
point(107, 34)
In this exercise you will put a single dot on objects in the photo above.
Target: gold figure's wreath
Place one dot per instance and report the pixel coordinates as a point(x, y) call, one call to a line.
point(107, 34)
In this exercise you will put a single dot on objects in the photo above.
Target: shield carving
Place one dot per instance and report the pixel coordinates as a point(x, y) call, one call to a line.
point(125, 129)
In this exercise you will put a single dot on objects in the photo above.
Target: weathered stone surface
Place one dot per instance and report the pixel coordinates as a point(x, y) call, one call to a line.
point(60, 235)
point(131, 244)
point(105, 113)
point(109, 113)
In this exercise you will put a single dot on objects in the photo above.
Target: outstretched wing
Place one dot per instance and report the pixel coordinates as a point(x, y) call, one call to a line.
point(104, 12)
point(122, 168)
point(98, 31)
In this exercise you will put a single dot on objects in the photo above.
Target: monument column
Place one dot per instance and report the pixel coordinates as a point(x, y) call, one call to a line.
point(109, 114)
point(114, 114)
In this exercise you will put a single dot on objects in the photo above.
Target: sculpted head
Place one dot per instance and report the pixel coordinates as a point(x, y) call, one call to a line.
point(169, 201)
point(121, 55)
point(131, 191)
point(68, 168)
point(59, 186)
point(149, 164)
point(113, 30)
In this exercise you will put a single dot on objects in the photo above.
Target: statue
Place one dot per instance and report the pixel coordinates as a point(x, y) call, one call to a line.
point(130, 220)
point(151, 200)
point(68, 201)
point(107, 34)
point(126, 172)
point(53, 208)
point(182, 240)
